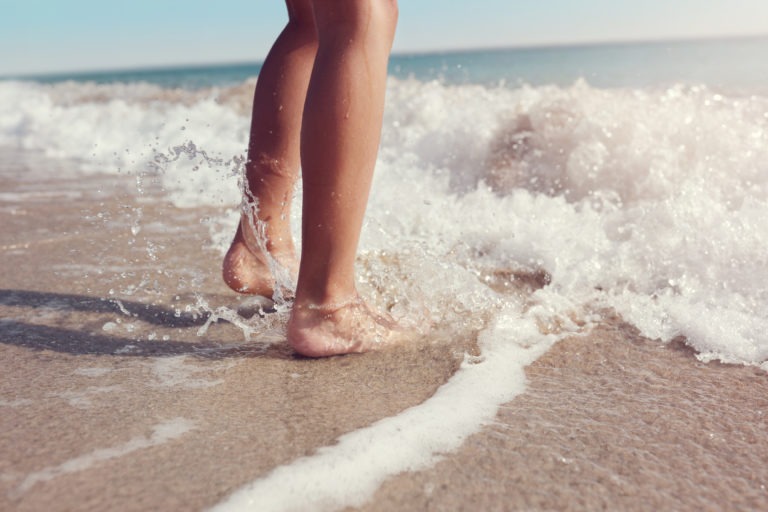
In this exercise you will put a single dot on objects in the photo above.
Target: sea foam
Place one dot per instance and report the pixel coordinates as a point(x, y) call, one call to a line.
point(644, 201)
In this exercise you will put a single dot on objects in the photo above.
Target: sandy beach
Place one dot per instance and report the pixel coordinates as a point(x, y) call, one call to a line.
point(121, 405)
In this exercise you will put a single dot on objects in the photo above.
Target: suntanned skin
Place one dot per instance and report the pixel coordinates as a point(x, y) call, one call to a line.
point(319, 101)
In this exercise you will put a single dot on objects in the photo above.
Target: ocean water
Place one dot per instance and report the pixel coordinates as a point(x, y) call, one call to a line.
point(520, 196)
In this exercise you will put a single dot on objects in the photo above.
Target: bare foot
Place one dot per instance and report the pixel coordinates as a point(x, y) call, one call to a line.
point(246, 267)
point(351, 327)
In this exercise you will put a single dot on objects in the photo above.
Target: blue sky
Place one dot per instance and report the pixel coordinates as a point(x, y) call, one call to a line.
point(71, 35)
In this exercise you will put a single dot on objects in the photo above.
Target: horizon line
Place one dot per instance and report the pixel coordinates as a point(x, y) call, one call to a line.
point(142, 68)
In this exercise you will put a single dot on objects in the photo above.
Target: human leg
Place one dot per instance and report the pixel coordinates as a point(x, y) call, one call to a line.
point(339, 141)
point(273, 157)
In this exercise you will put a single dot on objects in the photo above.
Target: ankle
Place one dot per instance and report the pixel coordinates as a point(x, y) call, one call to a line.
point(274, 237)
point(327, 307)
point(324, 296)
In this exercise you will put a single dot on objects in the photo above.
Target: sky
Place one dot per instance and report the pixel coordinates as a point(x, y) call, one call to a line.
point(40, 36)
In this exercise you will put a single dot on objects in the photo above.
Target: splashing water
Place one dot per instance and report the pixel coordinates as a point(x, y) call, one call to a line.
point(285, 288)
point(567, 200)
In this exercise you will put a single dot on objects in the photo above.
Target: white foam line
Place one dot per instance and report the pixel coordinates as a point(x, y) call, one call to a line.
point(82, 398)
point(162, 433)
point(174, 372)
point(349, 472)
point(16, 403)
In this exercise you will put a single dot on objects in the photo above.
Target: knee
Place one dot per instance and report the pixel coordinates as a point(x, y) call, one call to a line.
point(301, 20)
point(389, 13)
point(381, 20)
point(370, 18)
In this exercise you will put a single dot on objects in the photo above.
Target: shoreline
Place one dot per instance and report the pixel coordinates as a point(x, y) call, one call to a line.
point(103, 410)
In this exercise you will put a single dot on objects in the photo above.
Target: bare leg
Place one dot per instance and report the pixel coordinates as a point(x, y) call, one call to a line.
point(339, 141)
point(273, 156)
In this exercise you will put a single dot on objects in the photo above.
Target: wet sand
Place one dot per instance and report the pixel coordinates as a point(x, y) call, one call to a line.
point(120, 405)
point(610, 421)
